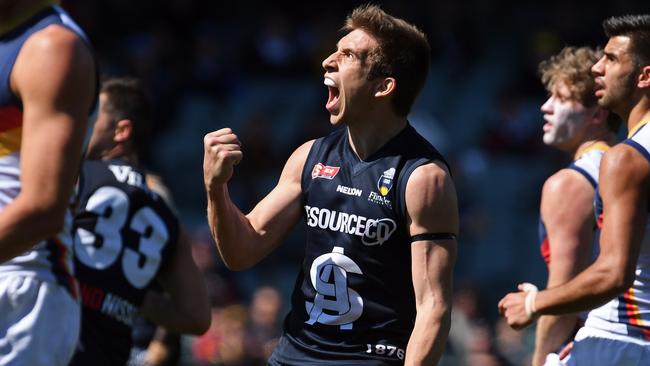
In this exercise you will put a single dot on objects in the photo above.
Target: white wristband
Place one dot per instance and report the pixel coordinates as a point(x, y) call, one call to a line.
point(529, 303)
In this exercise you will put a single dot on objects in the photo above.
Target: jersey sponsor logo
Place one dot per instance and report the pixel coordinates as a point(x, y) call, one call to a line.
point(385, 182)
point(324, 171)
point(108, 303)
point(375, 197)
point(371, 231)
point(349, 191)
point(335, 303)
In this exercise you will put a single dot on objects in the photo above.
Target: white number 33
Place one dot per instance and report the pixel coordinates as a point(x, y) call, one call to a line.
point(111, 205)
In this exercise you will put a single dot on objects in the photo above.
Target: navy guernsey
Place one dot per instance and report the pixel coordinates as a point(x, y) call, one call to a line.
point(353, 301)
point(124, 234)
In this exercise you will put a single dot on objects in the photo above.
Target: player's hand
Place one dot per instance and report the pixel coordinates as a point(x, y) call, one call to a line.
point(222, 151)
point(513, 308)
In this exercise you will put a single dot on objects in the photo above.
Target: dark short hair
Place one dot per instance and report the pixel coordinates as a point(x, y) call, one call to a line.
point(403, 52)
point(637, 27)
point(126, 99)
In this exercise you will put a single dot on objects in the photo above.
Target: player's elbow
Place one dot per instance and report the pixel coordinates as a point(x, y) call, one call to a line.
point(237, 261)
point(237, 265)
point(434, 309)
point(198, 322)
point(202, 324)
point(618, 281)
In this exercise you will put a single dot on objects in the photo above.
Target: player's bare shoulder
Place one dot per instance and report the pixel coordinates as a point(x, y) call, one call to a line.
point(60, 44)
point(54, 62)
point(429, 179)
point(296, 162)
point(431, 198)
point(624, 164)
point(565, 183)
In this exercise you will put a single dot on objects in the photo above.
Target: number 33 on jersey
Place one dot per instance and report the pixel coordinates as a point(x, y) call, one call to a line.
point(123, 235)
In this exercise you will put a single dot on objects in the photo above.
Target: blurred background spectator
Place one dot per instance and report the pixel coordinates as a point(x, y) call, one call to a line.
point(255, 66)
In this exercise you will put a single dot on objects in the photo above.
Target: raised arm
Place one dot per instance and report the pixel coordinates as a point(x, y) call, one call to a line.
point(54, 77)
point(624, 183)
point(244, 240)
point(569, 225)
point(185, 307)
point(432, 209)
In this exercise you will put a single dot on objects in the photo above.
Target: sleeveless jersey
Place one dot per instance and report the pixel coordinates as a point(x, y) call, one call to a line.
point(629, 312)
point(353, 301)
point(51, 259)
point(588, 165)
point(124, 233)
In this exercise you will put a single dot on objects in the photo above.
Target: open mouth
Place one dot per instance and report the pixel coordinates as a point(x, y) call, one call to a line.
point(599, 88)
point(547, 127)
point(599, 92)
point(333, 96)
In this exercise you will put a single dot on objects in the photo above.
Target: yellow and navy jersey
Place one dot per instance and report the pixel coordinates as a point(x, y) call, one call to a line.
point(353, 301)
point(629, 312)
point(124, 234)
point(51, 259)
point(587, 164)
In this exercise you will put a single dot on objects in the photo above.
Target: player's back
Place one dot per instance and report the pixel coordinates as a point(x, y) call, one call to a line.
point(124, 234)
point(629, 313)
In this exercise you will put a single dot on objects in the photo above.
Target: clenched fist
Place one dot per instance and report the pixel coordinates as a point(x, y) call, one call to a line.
point(518, 308)
point(222, 151)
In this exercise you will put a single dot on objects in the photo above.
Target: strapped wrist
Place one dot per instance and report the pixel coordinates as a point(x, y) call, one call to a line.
point(529, 303)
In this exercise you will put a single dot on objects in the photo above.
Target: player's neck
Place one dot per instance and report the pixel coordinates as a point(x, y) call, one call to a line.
point(120, 153)
point(603, 142)
point(19, 12)
point(366, 139)
point(640, 113)
point(596, 136)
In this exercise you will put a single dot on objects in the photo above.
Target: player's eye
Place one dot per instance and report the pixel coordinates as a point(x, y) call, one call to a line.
point(347, 55)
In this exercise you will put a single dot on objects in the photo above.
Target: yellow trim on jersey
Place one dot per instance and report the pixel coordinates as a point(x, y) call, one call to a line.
point(598, 146)
point(10, 141)
point(638, 126)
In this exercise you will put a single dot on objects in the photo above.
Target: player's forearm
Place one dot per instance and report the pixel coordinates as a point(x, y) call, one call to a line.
point(427, 342)
point(234, 235)
point(552, 332)
point(595, 286)
point(23, 224)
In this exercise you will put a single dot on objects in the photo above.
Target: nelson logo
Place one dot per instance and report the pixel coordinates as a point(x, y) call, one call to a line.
point(324, 171)
point(371, 231)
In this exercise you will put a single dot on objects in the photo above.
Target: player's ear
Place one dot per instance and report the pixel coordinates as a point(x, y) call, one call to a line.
point(644, 77)
point(385, 87)
point(123, 130)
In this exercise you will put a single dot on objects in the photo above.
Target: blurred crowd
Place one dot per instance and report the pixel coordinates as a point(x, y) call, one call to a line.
point(255, 66)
